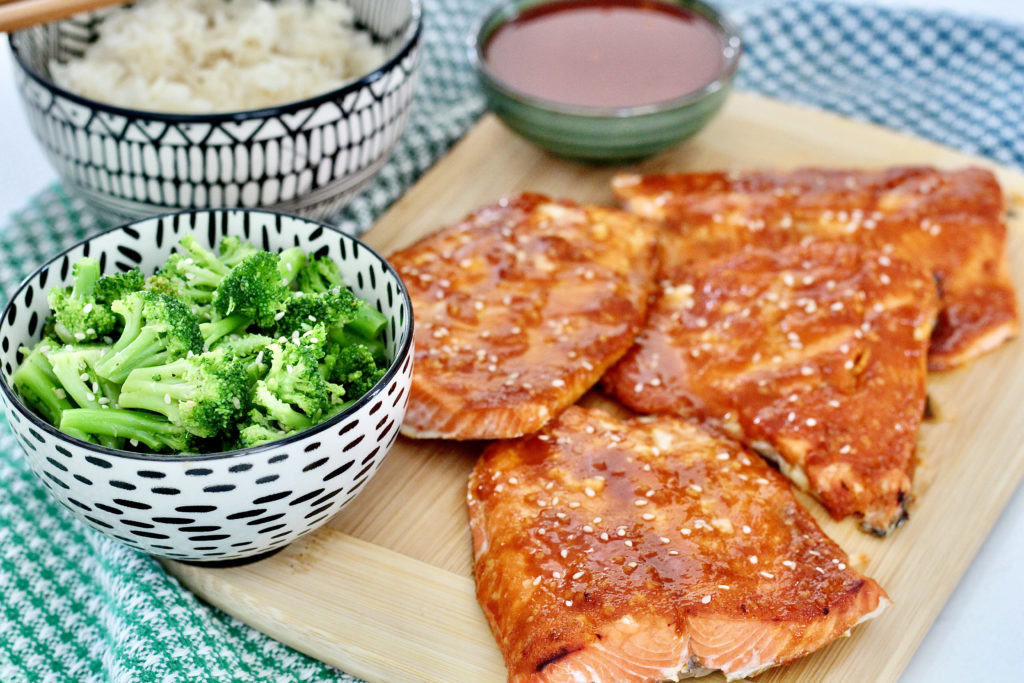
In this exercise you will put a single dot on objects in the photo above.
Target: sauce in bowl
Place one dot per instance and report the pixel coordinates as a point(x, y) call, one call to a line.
point(608, 53)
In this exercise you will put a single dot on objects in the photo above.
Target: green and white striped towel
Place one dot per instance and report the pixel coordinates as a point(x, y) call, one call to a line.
point(75, 606)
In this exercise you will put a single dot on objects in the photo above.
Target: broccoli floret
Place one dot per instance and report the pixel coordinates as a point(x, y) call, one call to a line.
point(136, 426)
point(110, 288)
point(346, 316)
point(343, 336)
point(191, 275)
point(282, 414)
point(197, 297)
point(157, 329)
point(257, 286)
point(234, 250)
point(294, 376)
point(260, 429)
point(254, 288)
point(351, 362)
point(337, 308)
point(39, 388)
point(78, 315)
point(355, 370)
point(319, 275)
point(206, 394)
point(294, 394)
point(250, 349)
point(302, 311)
point(322, 275)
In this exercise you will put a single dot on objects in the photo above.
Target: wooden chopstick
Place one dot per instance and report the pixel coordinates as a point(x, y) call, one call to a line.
point(18, 14)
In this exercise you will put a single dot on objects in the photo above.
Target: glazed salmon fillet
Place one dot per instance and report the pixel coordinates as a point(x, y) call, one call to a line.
point(950, 221)
point(519, 309)
point(646, 549)
point(814, 354)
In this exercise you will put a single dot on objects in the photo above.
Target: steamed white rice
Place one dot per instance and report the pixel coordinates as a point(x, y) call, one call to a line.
point(203, 56)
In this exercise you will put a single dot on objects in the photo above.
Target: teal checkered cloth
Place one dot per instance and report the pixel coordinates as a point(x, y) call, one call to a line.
point(79, 607)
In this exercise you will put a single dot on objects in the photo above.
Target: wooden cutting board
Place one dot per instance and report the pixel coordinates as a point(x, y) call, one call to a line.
point(385, 590)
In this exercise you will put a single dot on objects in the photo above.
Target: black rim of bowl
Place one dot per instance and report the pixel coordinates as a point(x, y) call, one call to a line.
point(412, 36)
point(400, 354)
point(510, 11)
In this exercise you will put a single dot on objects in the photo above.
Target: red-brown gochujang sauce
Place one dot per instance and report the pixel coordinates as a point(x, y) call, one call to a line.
point(609, 53)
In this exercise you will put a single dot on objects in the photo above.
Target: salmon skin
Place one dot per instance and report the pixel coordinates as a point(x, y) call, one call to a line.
point(649, 548)
point(519, 310)
point(813, 354)
point(949, 221)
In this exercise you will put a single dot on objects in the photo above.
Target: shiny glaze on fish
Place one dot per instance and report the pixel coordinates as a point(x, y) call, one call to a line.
point(518, 310)
point(949, 221)
point(814, 354)
point(637, 549)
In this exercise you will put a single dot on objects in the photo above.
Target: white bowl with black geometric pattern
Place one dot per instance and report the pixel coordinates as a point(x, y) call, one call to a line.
point(223, 506)
point(308, 158)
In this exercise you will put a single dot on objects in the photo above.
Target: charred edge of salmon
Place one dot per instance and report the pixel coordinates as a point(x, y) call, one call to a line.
point(903, 498)
point(798, 477)
point(993, 338)
point(930, 413)
point(694, 669)
point(939, 290)
point(560, 653)
point(794, 473)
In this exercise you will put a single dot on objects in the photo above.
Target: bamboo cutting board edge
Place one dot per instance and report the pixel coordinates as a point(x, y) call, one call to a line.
point(372, 606)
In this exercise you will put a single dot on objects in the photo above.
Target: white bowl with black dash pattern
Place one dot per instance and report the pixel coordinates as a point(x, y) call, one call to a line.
point(221, 507)
point(308, 157)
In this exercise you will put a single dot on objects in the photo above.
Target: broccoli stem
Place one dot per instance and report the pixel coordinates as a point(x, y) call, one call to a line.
point(247, 345)
point(368, 321)
point(215, 330)
point(158, 389)
point(87, 274)
point(154, 431)
point(145, 350)
point(69, 367)
point(202, 256)
point(143, 398)
point(39, 387)
point(291, 260)
point(234, 250)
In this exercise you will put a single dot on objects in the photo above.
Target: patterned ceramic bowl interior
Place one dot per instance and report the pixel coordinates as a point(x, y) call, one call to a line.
point(604, 134)
point(222, 506)
point(307, 158)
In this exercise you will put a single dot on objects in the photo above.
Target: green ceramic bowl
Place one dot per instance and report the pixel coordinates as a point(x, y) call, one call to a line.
point(604, 134)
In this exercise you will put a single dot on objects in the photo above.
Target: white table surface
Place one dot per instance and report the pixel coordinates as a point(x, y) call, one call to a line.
point(980, 631)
